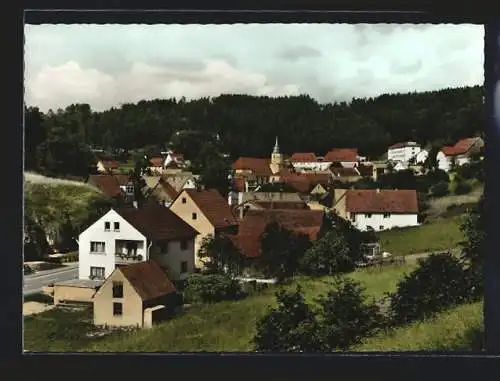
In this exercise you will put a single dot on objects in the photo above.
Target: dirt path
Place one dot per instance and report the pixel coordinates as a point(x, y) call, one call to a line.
point(30, 308)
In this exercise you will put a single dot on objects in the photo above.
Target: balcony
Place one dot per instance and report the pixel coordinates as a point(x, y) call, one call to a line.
point(124, 258)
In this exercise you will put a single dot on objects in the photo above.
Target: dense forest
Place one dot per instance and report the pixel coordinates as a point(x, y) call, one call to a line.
point(241, 125)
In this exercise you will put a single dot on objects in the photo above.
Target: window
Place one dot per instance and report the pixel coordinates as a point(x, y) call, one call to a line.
point(117, 309)
point(117, 290)
point(194, 216)
point(130, 188)
point(97, 272)
point(107, 226)
point(387, 215)
point(116, 226)
point(184, 267)
point(183, 200)
point(381, 227)
point(368, 215)
point(97, 247)
point(184, 244)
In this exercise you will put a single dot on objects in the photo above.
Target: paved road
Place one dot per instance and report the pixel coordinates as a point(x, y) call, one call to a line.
point(34, 283)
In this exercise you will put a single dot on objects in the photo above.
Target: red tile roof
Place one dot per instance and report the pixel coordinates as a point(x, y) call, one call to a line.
point(156, 162)
point(215, 208)
point(147, 279)
point(157, 222)
point(303, 157)
point(255, 221)
point(382, 201)
point(259, 166)
point(460, 148)
point(342, 154)
point(344, 171)
point(109, 184)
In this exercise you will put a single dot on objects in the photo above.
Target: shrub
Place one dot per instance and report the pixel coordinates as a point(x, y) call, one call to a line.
point(328, 255)
point(437, 283)
point(211, 288)
point(440, 189)
point(291, 327)
point(462, 188)
point(346, 315)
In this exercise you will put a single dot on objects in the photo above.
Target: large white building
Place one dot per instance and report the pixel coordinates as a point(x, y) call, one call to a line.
point(403, 152)
point(309, 162)
point(134, 235)
point(377, 209)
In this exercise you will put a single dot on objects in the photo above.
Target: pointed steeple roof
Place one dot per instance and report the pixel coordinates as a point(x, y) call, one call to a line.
point(276, 146)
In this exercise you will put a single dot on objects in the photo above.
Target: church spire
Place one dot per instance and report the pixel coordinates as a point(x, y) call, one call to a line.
point(276, 146)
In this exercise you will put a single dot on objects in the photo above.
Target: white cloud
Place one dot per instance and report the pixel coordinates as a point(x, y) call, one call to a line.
point(105, 65)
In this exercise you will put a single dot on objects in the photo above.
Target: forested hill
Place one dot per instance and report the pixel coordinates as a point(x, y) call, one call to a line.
point(247, 125)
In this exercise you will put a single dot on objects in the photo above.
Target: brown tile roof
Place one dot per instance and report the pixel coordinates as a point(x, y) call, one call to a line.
point(109, 164)
point(460, 148)
point(156, 162)
point(109, 184)
point(303, 157)
point(344, 171)
point(255, 221)
point(281, 205)
point(259, 166)
point(304, 182)
point(342, 154)
point(147, 279)
point(214, 207)
point(382, 201)
point(168, 189)
point(157, 222)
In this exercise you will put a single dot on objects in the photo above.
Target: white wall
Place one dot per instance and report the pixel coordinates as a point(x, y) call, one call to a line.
point(96, 233)
point(422, 156)
point(173, 257)
point(377, 220)
point(402, 154)
point(312, 166)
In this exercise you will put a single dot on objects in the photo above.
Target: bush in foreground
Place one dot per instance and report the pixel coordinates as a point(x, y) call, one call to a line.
point(439, 282)
point(211, 288)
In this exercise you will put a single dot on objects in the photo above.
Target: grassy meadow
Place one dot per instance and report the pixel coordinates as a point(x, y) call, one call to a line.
point(227, 326)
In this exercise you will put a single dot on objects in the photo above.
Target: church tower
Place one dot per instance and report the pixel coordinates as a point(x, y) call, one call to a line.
point(276, 158)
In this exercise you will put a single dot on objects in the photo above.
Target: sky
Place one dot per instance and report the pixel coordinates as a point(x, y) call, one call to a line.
point(108, 65)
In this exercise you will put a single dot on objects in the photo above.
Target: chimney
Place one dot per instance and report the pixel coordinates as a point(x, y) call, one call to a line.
point(135, 204)
point(378, 190)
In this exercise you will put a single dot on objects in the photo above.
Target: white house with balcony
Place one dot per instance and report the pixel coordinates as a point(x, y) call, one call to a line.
point(377, 209)
point(132, 235)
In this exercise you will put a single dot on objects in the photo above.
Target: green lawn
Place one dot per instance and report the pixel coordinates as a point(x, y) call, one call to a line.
point(439, 235)
point(226, 326)
point(460, 328)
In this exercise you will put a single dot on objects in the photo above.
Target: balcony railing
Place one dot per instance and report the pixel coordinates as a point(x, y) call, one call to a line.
point(128, 258)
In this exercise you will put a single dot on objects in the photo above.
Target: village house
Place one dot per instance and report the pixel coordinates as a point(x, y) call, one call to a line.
point(347, 157)
point(160, 189)
point(207, 212)
point(180, 179)
point(459, 154)
point(156, 165)
point(136, 295)
point(106, 166)
point(115, 186)
point(250, 172)
point(308, 162)
point(132, 235)
point(243, 202)
point(254, 223)
point(377, 209)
